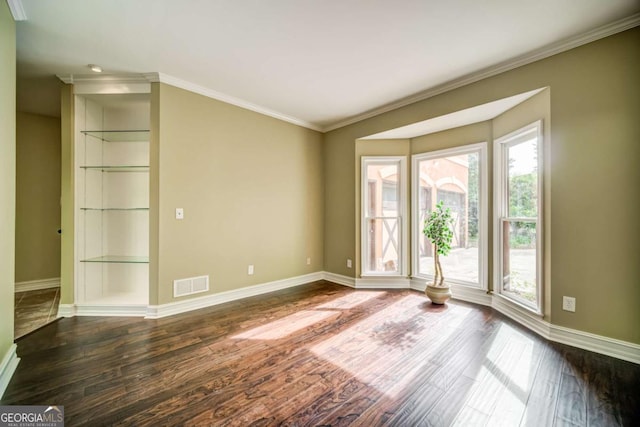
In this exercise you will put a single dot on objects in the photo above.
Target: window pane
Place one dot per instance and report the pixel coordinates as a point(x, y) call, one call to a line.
point(382, 245)
point(455, 181)
point(523, 179)
point(381, 234)
point(383, 186)
point(519, 260)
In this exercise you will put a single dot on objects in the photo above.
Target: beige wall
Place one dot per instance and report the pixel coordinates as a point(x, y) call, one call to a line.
point(37, 197)
point(251, 188)
point(593, 185)
point(7, 174)
point(66, 191)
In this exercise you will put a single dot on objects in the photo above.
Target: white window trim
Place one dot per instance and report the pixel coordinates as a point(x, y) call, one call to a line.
point(402, 234)
point(416, 228)
point(500, 210)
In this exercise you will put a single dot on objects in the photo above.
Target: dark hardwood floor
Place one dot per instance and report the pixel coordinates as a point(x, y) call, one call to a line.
point(320, 354)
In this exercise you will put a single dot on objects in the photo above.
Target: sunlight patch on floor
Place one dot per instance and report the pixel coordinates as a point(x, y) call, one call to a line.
point(281, 328)
point(504, 379)
point(351, 300)
point(287, 325)
point(392, 336)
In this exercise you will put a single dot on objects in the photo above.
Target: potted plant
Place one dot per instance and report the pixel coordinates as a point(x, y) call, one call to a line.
point(438, 229)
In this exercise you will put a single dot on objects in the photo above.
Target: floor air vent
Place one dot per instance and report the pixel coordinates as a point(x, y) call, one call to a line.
point(192, 285)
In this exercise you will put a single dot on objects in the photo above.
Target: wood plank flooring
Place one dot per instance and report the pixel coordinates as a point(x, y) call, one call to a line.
point(320, 355)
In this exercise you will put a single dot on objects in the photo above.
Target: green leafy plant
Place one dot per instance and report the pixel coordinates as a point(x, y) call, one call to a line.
point(438, 229)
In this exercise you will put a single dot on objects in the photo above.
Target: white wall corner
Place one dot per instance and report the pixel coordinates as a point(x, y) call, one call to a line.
point(8, 367)
point(34, 285)
point(339, 279)
point(66, 310)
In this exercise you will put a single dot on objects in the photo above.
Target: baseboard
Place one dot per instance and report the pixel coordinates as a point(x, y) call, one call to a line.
point(339, 279)
point(597, 343)
point(66, 310)
point(132, 310)
point(169, 309)
point(587, 341)
point(469, 294)
point(35, 285)
point(8, 367)
point(521, 315)
point(383, 283)
point(458, 292)
point(124, 310)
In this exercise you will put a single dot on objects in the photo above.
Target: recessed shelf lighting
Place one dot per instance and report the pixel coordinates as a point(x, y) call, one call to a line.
point(95, 68)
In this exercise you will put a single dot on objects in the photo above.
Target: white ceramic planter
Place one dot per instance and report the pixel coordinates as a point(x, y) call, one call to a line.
point(438, 294)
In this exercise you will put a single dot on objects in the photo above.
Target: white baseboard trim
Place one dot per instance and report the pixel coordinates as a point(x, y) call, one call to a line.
point(163, 310)
point(382, 283)
point(521, 315)
point(458, 292)
point(123, 310)
point(66, 310)
point(587, 341)
point(469, 294)
point(35, 285)
point(8, 367)
point(133, 310)
point(339, 279)
point(597, 343)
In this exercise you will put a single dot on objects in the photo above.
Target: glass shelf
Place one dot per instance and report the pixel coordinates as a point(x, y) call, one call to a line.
point(119, 135)
point(121, 259)
point(114, 209)
point(118, 168)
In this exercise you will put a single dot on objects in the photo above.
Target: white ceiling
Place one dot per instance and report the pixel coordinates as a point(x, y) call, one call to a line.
point(479, 113)
point(320, 63)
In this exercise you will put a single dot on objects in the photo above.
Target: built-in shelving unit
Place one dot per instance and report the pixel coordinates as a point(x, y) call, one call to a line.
point(112, 199)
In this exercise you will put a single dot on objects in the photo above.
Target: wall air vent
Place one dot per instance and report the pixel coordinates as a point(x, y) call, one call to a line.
point(190, 286)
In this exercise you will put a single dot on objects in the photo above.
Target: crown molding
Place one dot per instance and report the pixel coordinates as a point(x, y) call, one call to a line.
point(210, 93)
point(17, 10)
point(528, 58)
point(105, 78)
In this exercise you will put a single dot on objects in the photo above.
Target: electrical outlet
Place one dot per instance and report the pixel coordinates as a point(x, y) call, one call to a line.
point(250, 270)
point(179, 213)
point(308, 261)
point(569, 304)
point(349, 264)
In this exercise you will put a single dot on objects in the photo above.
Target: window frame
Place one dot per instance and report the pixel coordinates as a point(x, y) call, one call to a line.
point(483, 202)
point(501, 211)
point(401, 161)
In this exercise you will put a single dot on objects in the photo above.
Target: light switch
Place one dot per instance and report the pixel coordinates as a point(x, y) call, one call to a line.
point(179, 213)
